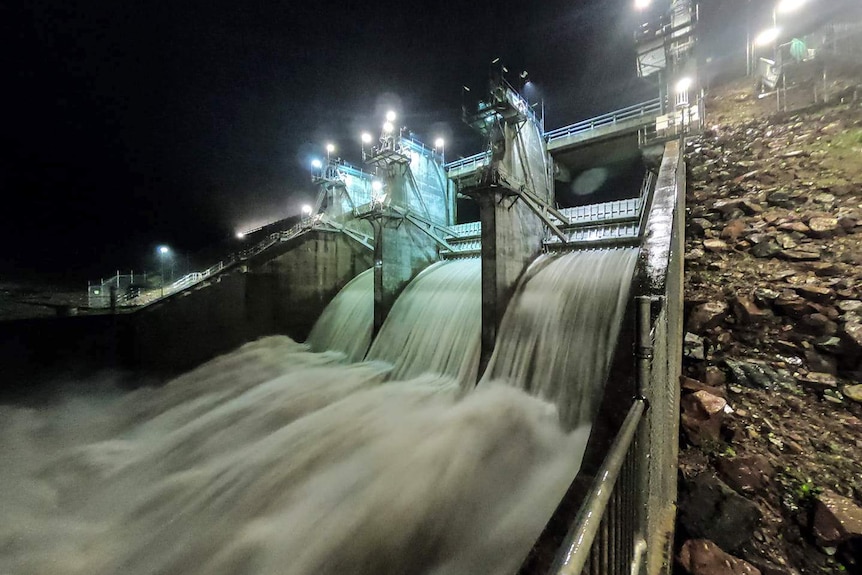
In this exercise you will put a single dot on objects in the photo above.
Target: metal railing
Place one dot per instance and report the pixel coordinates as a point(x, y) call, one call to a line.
point(468, 230)
point(605, 539)
point(646, 109)
point(469, 163)
point(614, 210)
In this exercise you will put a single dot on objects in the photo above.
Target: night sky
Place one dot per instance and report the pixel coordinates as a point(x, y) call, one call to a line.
point(130, 124)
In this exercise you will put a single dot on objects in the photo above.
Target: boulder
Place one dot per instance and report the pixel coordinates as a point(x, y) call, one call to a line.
point(818, 324)
point(703, 557)
point(747, 474)
point(819, 381)
point(709, 509)
point(823, 227)
point(836, 519)
point(853, 335)
point(766, 249)
point(800, 255)
point(733, 230)
point(707, 316)
point(746, 311)
point(815, 293)
point(692, 384)
point(796, 226)
point(702, 416)
point(693, 347)
point(715, 245)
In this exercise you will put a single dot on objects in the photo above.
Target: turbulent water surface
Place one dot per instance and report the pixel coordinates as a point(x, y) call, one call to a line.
point(274, 459)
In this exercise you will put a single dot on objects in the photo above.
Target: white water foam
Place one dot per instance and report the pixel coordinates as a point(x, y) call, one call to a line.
point(347, 322)
point(559, 333)
point(436, 324)
point(273, 459)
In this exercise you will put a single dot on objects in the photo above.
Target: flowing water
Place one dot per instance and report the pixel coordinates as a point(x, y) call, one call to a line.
point(273, 459)
point(347, 322)
point(436, 324)
point(559, 333)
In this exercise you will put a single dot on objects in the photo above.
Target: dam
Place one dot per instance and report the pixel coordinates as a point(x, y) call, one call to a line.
point(384, 389)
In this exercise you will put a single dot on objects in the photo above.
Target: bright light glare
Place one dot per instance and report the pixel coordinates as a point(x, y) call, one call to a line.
point(767, 37)
point(786, 6)
point(316, 164)
point(642, 4)
point(164, 249)
point(684, 85)
point(439, 143)
point(306, 209)
point(240, 235)
point(376, 185)
point(366, 138)
point(330, 148)
point(390, 116)
point(388, 127)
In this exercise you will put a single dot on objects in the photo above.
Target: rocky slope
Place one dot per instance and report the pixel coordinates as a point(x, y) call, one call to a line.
point(771, 442)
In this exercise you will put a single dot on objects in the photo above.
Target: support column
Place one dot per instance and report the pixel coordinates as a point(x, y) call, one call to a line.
point(401, 251)
point(512, 237)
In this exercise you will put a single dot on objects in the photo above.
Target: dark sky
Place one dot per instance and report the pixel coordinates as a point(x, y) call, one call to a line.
point(129, 124)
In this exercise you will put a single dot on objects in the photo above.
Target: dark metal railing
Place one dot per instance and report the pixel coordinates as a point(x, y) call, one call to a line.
point(605, 537)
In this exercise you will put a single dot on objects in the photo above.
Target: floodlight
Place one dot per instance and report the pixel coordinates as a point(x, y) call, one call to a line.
point(767, 37)
point(642, 4)
point(164, 250)
point(786, 6)
point(683, 85)
point(306, 209)
point(316, 164)
point(330, 148)
point(439, 143)
point(366, 138)
point(388, 127)
point(376, 185)
point(240, 235)
point(391, 115)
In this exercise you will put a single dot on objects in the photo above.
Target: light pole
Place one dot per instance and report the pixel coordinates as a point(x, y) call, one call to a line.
point(440, 144)
point(164, 251)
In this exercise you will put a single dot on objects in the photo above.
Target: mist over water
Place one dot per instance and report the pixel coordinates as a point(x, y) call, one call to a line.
point(274, 459)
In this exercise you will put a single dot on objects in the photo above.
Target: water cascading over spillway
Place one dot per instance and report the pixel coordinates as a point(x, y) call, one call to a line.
point(436, 324)
point(559, 333)
point(276, 460)
point(347, 322)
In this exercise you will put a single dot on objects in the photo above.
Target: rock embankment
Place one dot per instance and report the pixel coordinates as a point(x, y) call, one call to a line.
point(771, 453)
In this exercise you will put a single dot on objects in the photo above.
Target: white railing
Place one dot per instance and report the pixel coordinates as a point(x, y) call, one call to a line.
point(469, 163)
point(647, 109)
point(470, 229)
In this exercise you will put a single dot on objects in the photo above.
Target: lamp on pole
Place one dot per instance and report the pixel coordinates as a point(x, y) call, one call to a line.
point(440, 145)
point(164, 252)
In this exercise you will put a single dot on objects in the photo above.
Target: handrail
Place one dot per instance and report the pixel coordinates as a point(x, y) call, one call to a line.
point(476, 159)
point(648, 108)
point(583, 543)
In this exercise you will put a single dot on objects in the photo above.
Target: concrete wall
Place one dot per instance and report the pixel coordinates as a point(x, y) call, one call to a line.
point(401, 251)
point(660, 276)
point(282, 290)
point(424, 188)
point(299, 279)
point(193, 326)
point(511, 238)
